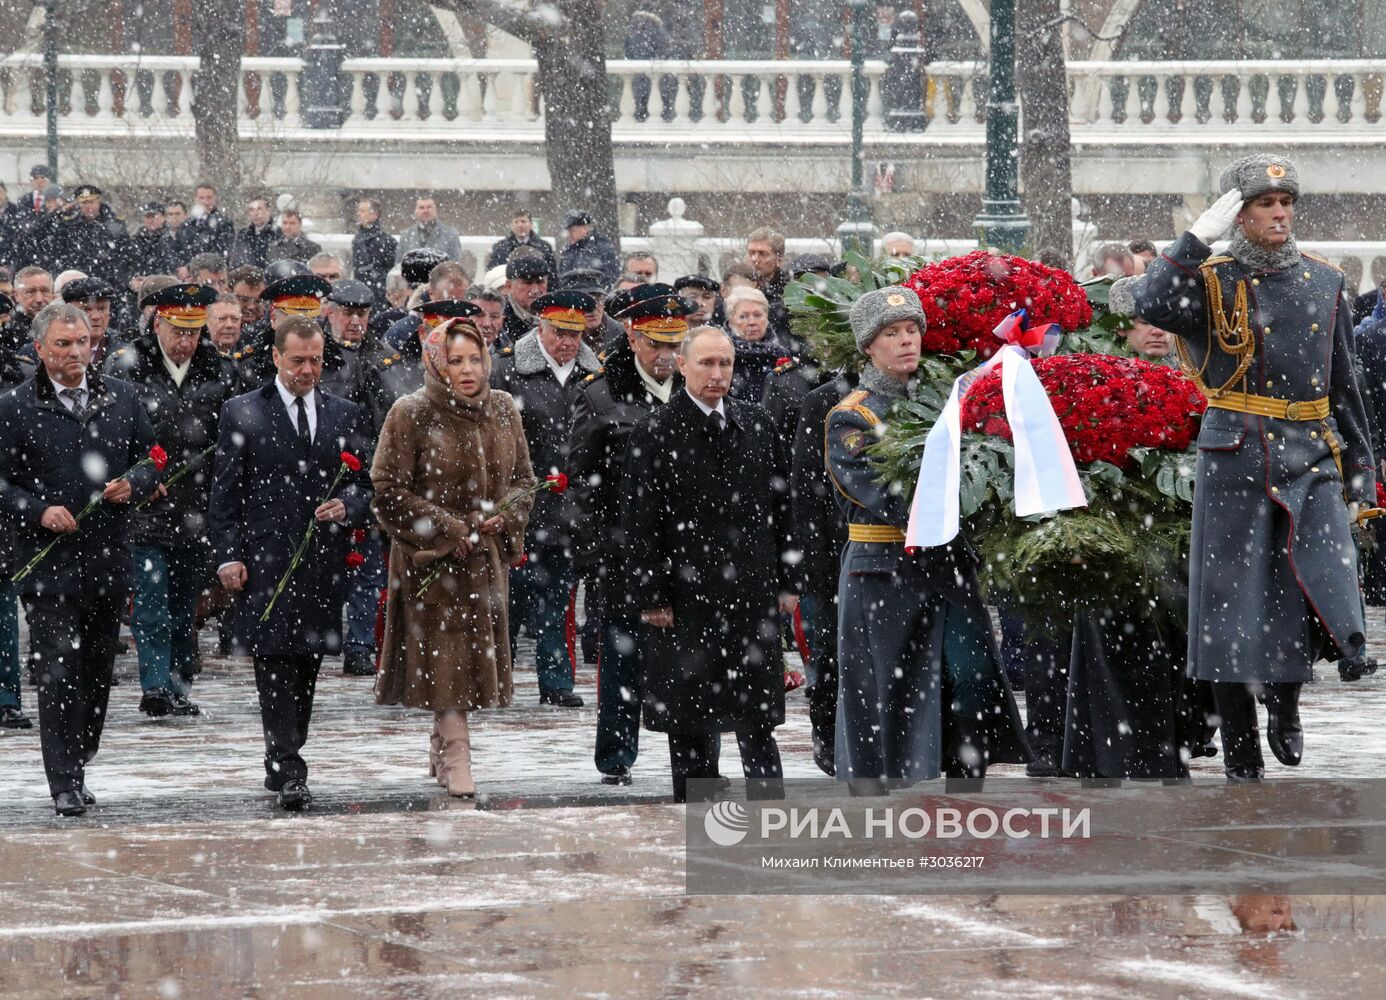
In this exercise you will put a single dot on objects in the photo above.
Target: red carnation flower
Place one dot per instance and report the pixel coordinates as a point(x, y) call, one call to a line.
point(351, 461)
point(1380, 494)
point(793, 680)
point(159, 457)
point(965, 297)
point(1106, 405)
point(558, 482)
point(358, 536)
point(355, 559)
point(781, 361)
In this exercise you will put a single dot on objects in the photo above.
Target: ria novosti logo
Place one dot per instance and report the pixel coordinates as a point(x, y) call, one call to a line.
point(726, 824)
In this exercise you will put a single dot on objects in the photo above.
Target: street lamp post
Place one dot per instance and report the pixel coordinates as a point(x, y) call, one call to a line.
point(50, 78)
point(856, 231)
point(1002, 222)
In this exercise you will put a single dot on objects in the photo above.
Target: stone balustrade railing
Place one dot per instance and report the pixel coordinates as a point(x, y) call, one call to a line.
point(767, 100)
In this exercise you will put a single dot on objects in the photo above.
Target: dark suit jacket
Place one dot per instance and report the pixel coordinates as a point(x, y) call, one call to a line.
point(49, 457)
point(266, 487)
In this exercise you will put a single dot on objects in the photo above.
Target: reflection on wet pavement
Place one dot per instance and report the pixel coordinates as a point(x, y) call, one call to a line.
point(187, 882)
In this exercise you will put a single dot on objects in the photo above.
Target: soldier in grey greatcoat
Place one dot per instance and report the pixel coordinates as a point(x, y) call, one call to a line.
point(1284, 460)
point(920, 685)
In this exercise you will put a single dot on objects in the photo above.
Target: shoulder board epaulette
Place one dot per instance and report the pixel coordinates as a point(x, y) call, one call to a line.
point(507, 350)
point(787, 366)
point(1220, 258)
point(853, 401)
point(387, 362)
point(122, 352)
point(1317, 258)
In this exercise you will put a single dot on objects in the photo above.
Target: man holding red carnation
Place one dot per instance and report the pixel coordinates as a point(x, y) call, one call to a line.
point(72, 443)
point(1284, 464)
point(289, 489)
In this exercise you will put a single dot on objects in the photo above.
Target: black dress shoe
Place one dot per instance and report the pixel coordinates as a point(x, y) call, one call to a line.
point(1244, 775)
point(13, 718)
point(358, 663)
point(1286, 738)
point(1044, 766)
point(1209, 749)
point(182, 707)
point(959, 785)
point(562, 699)
point(87, 796)
point(619, 778)
point(824, 756)
point(115, 681)
point(157, 702)
point(69, 804)
point(294, 796)
point(1356, 668)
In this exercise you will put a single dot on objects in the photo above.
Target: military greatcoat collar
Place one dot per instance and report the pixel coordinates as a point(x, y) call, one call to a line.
point(529, 359)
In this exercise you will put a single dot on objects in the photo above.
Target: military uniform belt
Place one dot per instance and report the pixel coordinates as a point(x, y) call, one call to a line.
point(1266, 406)
point(874, 533)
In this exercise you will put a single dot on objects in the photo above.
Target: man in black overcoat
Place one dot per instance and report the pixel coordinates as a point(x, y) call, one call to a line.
point(705, 514)
point(183, 382)
point(69, 436)
point(640, 375)
point(279, 450)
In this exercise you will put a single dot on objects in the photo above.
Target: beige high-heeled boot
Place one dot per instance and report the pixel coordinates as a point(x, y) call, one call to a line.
point(435, 753)
point(455, 770)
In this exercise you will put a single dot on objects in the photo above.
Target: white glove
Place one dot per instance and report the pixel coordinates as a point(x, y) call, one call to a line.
point(1210, 226)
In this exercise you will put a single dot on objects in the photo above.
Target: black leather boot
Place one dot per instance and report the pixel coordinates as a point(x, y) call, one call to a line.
point(1283, 731)
point(1241, 740)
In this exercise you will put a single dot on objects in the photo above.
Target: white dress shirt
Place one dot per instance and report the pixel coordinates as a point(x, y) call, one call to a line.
point(68, 401)
point(719, 408)
point(310, 403)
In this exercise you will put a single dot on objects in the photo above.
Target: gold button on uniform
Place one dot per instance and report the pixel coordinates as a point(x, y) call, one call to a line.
point(1265, 329)
point(1275, 489)
point(1314, 327)
point(1307, 276)
point(1270, 436)
point(1270, 384)
point(1313, 381)
point(1255, 281)
point(1314, 435)
point(1314, 469)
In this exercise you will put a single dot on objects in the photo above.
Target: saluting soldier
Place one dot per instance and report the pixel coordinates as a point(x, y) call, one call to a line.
point(1284, 460)
point(920, 687)
point(640, 374)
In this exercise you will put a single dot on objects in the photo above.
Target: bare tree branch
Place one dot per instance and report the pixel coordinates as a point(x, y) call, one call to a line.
point(530, 22)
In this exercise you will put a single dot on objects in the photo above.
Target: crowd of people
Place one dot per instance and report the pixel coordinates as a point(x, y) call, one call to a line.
point(409, 465)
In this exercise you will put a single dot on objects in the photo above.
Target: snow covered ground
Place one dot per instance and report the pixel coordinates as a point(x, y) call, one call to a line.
point(186, 881)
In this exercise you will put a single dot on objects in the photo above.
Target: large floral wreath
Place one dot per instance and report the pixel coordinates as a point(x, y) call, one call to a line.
point(1129, 423)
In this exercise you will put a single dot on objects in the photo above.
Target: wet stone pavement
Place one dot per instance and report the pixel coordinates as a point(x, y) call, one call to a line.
point(187, 881)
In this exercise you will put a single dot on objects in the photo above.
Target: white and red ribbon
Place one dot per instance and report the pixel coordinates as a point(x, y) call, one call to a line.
point(1046, 480)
